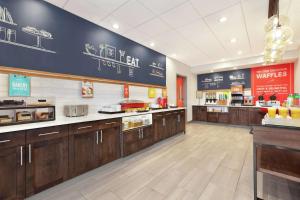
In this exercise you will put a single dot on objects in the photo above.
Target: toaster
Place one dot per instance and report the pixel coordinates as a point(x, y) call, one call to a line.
point(76, 110)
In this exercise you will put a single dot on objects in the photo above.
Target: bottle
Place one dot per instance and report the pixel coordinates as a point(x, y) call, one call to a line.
point(290, 100)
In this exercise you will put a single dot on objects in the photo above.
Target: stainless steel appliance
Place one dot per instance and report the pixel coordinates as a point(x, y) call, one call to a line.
point(76, 110)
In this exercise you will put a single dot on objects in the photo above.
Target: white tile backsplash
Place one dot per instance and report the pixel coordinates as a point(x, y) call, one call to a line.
point(68, 92)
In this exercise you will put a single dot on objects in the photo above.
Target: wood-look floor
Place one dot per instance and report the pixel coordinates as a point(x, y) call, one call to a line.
point(210, 162)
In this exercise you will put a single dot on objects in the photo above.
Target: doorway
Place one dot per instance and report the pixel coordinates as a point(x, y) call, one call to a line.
point(181, 91)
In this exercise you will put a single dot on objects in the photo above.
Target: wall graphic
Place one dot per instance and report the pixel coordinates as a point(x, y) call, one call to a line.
point(224, 80)
point(36, 35)
point(276, 79)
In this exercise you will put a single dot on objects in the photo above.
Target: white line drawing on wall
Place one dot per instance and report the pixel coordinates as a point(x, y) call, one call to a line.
point(9, 35)
point(5, 16)
point(107, 57)
point(157, 70)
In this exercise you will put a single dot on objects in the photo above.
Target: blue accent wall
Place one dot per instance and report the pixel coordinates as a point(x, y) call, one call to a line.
point(224, 80)
point(36, 35)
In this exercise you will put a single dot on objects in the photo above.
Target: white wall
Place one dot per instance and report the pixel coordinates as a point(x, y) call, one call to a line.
point(69, 92)
point(175, 68)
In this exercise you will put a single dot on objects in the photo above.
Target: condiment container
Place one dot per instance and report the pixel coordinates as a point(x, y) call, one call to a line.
point(295, 113)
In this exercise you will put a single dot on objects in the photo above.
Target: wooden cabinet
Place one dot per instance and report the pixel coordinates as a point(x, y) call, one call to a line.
point(12, 165)
point(244, 116)
point(82, 149)
point(212, 117)
point(200, 113)
point(171, 123)
point(234, 116)
point(137, 139)
point(239, 116)
point(180, 121)
point(255, 116)
point(158, 126)
point(223, 117)
point(47, 158)
point(108, 141)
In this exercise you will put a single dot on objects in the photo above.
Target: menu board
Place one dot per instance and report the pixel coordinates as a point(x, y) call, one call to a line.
point(36, 35)
point(275, 79)
point(224, 80)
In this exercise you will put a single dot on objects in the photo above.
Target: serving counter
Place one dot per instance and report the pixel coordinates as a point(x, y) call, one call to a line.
point(38, 156)
point(236, 115)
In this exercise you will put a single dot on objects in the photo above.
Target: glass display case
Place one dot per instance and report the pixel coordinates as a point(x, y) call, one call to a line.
point(137, 121)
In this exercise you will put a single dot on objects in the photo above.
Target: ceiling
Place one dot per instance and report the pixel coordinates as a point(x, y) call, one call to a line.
point(189, 30)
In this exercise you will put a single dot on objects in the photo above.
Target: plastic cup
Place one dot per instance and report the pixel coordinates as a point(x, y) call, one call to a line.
point(272, 112)
point(283, 112)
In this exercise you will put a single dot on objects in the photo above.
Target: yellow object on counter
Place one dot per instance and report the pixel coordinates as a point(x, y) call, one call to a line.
point(272, 112)
point(295, 113)
point(283, 112)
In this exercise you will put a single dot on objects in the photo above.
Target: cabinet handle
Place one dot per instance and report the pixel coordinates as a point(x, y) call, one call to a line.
point(178, 118)
point(109, 123)
point(29, 153)
point(97, 137)
point(164, 121)
point(84, 127)
point(4, 141)
point(142, 133)
point(139, 133)
point(21, 154)
point(52, 133)
point(101, 136)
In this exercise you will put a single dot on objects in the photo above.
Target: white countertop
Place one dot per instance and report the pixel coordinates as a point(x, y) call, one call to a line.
point(73, 120)
point(232, 106)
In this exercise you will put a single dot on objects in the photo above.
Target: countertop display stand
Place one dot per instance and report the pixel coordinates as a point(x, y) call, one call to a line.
point(12, 112)
point(276, 152)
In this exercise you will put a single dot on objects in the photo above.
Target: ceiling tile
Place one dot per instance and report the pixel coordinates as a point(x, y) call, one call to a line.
point(110, 21)
point(207, 7)
point(58, 3)
point(154, 27)
point(180, 15)
point(294, 16)
point(200, 35)
point(234, 27)
point(133, 13)
point(137, 36)
point(160, 6)
point(83, 9)
point(256, 16)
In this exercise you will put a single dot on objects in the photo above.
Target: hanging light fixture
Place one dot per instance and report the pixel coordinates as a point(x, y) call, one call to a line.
point(278, 36)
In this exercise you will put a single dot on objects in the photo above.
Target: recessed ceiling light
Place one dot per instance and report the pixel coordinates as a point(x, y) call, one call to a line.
point(174, 55)
point(235, 68)
point(290, 42)
point(223, 59)
point(223, 19)
point(152, 44)
point(239, 52)
point(116, 26)
point(211, 70)
point(233, 40)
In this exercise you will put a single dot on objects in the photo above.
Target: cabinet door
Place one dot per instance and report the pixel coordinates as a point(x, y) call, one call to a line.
point(234, 116)
point(243, 116)
point(223, 118)
point(170, 124)
point(158, 127)
point(83, 148)
point(212, 117)
point(202, 113)
point(195, 113)
point(255, 116)
point(47, 158)
point(181, 121)
point(109, 142)
point(147, 137)
point(131, 141)
point(12, 165)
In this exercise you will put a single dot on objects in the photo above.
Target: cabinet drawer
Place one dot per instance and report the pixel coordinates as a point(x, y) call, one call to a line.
point(47, 133)
point(12, 139)
point(110, 123)
point(83, 127)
